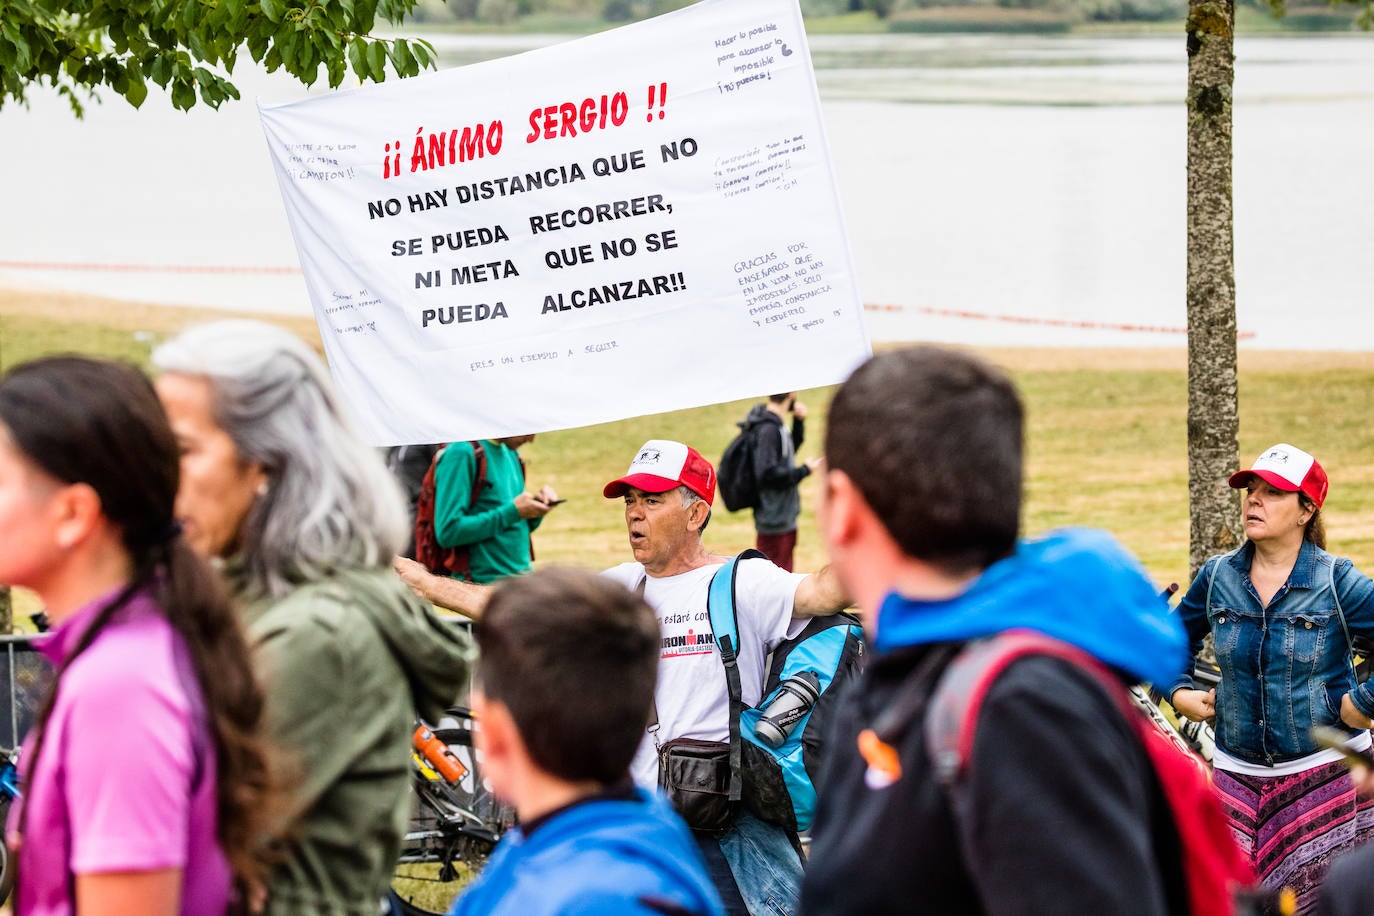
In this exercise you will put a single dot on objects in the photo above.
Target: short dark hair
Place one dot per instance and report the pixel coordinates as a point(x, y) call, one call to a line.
point(781, 398)
point(574, 657)
point(933, 439)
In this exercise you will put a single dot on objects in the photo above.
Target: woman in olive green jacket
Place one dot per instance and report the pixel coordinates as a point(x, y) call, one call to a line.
point(276, 483)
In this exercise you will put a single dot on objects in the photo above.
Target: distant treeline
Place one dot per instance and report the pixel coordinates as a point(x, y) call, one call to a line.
point(896, 14)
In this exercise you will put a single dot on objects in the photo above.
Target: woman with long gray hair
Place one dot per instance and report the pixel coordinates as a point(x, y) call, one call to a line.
point(304, 518)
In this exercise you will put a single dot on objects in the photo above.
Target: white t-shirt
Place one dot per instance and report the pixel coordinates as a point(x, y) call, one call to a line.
point(692, 696)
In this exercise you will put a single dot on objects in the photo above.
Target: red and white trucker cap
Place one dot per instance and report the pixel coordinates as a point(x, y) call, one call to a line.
point(1287, 468)
point(660, 465)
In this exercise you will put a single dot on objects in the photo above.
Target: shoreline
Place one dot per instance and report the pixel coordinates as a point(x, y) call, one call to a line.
point(156, 318)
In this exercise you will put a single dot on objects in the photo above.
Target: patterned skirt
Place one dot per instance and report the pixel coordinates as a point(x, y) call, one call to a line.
point(1292, 827)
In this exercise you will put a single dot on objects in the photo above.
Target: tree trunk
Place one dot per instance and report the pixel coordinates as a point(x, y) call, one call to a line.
point(1213, 412)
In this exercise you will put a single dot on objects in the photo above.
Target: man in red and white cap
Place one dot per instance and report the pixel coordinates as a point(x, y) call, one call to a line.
point(668, 492)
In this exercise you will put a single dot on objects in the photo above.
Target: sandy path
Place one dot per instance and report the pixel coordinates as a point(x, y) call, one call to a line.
point(167, 319)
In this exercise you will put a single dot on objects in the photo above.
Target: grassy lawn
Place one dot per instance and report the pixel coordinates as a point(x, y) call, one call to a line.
point(419, 884)
point(1106, 444)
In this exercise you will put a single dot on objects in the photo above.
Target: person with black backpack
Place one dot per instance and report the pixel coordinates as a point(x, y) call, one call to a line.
point(988, 761)
point(408, 464)
point(778, 474)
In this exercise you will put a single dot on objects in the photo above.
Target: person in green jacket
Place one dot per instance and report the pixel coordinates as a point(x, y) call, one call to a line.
point(304, 518)
point(495, 523)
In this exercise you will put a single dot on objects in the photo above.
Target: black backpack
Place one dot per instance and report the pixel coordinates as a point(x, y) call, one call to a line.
point(735, 479)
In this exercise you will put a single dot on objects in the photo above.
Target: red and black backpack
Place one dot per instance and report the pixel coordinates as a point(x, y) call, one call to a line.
point(449, 561)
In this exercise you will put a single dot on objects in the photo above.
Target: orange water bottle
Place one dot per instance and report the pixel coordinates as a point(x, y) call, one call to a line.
point(438, 755)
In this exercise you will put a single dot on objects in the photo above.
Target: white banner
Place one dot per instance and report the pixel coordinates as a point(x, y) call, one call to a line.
point(634, 222)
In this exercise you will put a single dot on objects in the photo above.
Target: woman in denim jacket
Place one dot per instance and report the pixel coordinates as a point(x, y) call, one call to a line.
point(1282, 611)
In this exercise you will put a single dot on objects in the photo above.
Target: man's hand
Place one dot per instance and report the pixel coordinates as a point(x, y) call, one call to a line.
point(465, 598)
point(1363, 778)
point(1352, 716)
point(1195, 705)
point(413, 574)
point(817, 465)
point(547, 495)
point(798, 410)
point(531, 507)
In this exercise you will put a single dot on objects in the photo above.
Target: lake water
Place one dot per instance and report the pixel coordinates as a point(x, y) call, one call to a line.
point(997, 189)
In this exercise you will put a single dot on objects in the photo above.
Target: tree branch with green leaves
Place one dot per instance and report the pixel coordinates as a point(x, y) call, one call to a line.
point(189, 47)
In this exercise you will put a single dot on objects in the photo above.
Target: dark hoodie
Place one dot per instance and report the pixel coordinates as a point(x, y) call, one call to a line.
point(1062, 811)
point(347, 662)
point(776, 470)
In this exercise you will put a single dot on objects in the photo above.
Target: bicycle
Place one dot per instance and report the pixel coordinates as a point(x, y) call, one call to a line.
point(1194, 737)
point(456, 821)
point(24, 679)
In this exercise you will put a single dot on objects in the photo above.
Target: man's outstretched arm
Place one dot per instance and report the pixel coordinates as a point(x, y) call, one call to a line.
point(819, 595)
point(466, 598)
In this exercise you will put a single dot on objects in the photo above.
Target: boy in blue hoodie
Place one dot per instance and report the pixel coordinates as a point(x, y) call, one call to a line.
point(565, 685)
point(1058, 809)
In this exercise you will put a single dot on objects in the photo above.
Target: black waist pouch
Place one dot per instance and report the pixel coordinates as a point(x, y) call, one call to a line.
point(696, 777)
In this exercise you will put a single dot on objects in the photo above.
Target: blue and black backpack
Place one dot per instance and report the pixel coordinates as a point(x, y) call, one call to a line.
point(778, 784)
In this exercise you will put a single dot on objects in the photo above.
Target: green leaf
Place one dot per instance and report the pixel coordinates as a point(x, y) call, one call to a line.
point(183, 95)
point(273, 9)
point(287, 44)
point(401, 58)
point(307, 61)
point(257, 45)
point(137, 92)
point(357, 58)
point(22, 57)
point(376, 59)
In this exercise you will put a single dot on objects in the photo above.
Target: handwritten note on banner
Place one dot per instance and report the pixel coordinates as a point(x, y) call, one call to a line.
point(630, 223)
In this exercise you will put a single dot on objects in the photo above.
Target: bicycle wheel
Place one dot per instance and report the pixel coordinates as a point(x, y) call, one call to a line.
point(471, 792)
point(6, 873)
point(453, 827)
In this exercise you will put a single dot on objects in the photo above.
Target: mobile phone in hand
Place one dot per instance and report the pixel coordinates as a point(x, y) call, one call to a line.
point(555, 502)
point(1337, 740)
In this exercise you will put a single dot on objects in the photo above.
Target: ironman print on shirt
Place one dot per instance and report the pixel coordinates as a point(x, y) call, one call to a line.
point(677, 643)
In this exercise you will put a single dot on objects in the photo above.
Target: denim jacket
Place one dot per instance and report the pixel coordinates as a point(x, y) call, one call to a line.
point(1285, 667)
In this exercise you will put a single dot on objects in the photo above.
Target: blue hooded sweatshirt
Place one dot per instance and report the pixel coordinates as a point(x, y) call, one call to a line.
point(1077, 585)
point(604, 856)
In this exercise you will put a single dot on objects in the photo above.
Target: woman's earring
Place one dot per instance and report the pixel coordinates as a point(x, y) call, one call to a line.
point(262, 488)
